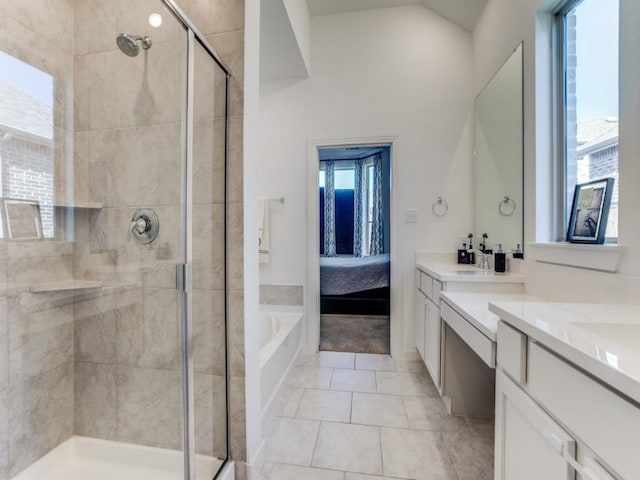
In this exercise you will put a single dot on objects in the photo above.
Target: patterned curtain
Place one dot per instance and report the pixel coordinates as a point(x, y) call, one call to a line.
point(377, 228)
point(329, 210)
point(358, 207)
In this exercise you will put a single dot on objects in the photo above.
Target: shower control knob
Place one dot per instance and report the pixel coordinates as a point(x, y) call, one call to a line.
point(144, 226)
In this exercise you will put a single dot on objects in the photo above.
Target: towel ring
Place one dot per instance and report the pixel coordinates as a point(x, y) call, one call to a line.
point(440, 207)
point(507, 206)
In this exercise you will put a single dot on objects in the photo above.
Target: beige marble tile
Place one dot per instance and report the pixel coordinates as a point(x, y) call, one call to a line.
point(209, 332)
point(40, 334)
point(94, 26)
point(129, 328)
point(328, 359)
point(95, 400)
point(353, 380)
point(235, 168)
point(214, 16)
point(209, 161)
point(377, 409)
point(310, 377)
point(355, 448)
point(235, 329)
point(288, 401)
point(4, 434)
point(32, 270)
point(472, 455)
point(81, 161)
point(40, 415)
point(370, 361)
point(481, 426)
point(211, 408)
point(4, 344)
point(325, 405)
point(293, 472)
point(149, 410)
point(208, 247)
point(415, 454)
point(404, 383)
point(281, 295)
point(237, 419)
point(429, 413)
point(235, 252)
point(160, 332)
point(94, 332)
point(292, 441)
point(230, 47)
point(52, 19)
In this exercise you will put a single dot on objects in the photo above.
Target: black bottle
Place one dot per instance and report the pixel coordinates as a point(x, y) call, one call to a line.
point(500, 260)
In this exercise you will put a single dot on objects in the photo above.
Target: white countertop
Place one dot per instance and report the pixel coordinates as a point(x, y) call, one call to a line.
point(474, 308)
point(603, 340)
point(454, 272)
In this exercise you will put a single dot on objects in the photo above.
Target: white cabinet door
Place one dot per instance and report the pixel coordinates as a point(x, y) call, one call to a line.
point(421, 313)
point(433, 341)
point(529, 444)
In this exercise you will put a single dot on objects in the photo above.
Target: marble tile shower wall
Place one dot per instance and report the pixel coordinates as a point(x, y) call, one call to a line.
point(36, 330)
point(105, 363)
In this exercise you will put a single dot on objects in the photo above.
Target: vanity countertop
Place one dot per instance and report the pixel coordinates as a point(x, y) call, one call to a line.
point(454, 272)
point(474, 308)
point(602, 339)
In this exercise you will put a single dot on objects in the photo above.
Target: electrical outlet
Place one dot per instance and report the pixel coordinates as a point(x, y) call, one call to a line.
point(411, 215)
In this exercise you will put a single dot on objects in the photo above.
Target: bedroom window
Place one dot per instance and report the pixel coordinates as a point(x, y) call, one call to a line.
point(588, 41)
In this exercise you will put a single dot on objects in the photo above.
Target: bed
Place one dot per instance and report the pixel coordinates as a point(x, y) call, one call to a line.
point(355, 285)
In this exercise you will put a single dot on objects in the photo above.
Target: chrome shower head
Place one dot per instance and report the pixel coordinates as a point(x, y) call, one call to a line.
point(128, 44)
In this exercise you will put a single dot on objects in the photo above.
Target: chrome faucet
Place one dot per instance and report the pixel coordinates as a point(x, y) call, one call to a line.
point(483, 260)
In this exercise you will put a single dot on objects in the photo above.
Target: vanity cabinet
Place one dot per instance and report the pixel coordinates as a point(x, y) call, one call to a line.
point(428, 324)
point(540, 398)
point(420, 321)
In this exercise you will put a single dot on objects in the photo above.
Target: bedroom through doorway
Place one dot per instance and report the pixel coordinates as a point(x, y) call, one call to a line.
point(355, 229)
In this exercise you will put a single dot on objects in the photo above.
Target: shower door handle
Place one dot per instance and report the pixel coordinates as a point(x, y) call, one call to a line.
point(183, 277)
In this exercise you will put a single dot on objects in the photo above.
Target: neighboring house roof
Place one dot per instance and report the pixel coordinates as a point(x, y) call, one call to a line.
point(597, 134)
point(22, 114)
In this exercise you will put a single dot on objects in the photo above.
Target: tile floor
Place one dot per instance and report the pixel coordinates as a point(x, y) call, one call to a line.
point(346, 416)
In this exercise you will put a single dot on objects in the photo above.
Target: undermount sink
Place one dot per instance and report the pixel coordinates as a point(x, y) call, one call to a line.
point(624, 334)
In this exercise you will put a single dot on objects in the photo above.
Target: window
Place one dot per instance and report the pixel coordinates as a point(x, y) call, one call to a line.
point(344, 183)
point(26, 139)
point(588, 41)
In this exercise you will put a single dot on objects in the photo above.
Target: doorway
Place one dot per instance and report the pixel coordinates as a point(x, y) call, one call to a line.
point(354, 235)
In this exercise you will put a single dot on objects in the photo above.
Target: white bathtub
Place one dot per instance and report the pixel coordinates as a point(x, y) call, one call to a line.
point(281, 335)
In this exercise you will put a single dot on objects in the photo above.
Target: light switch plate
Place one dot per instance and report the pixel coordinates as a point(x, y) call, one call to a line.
point(411, 215)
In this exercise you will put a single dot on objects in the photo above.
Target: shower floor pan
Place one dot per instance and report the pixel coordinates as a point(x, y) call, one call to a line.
point(82, 458)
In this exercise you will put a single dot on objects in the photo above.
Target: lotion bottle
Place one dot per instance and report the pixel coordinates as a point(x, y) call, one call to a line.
point(500, 260)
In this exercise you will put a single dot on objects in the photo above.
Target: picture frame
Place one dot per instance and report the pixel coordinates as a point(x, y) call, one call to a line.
point(21, 219)
point(590, 212)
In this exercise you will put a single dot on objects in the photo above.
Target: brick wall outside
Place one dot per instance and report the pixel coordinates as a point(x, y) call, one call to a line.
point(27, 174)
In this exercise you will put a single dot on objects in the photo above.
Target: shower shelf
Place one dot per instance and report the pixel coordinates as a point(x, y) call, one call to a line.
point(86, 205)
point(65, 286)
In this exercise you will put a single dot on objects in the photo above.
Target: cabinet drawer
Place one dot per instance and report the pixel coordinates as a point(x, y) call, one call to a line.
point(512, 352)
point(436, 289)
point(607, 423)
point(426, 285)
point(479, 343)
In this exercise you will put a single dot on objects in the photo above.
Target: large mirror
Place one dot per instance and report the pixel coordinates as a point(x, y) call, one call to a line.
point(499, 158)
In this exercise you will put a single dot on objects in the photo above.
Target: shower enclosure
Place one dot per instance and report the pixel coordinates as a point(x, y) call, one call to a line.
point(113, 127)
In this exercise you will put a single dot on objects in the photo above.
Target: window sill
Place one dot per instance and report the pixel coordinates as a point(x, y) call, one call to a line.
point(594, 257)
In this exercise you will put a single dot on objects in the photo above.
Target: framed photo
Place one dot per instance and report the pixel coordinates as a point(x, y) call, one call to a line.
point(21, 219)
point(590, 212)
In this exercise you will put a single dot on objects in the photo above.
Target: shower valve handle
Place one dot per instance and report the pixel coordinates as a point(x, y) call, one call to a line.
point(140, 225)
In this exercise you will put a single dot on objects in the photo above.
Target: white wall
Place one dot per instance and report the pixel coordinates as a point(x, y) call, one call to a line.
point(502, 25)
point(402, 71)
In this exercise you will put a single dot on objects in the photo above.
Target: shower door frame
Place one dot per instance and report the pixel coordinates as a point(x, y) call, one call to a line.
point(184, 282)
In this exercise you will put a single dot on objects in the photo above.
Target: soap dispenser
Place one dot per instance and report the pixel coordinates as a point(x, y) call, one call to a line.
point(500, 260)
point(471, 253)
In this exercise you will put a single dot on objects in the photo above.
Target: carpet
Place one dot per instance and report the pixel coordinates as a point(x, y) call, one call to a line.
point(355, 333)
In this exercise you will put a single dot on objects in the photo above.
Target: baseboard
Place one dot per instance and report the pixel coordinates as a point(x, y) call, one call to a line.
point(252, 472)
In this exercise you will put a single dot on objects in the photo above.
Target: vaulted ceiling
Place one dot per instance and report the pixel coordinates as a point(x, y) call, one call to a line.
point(464, 13)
